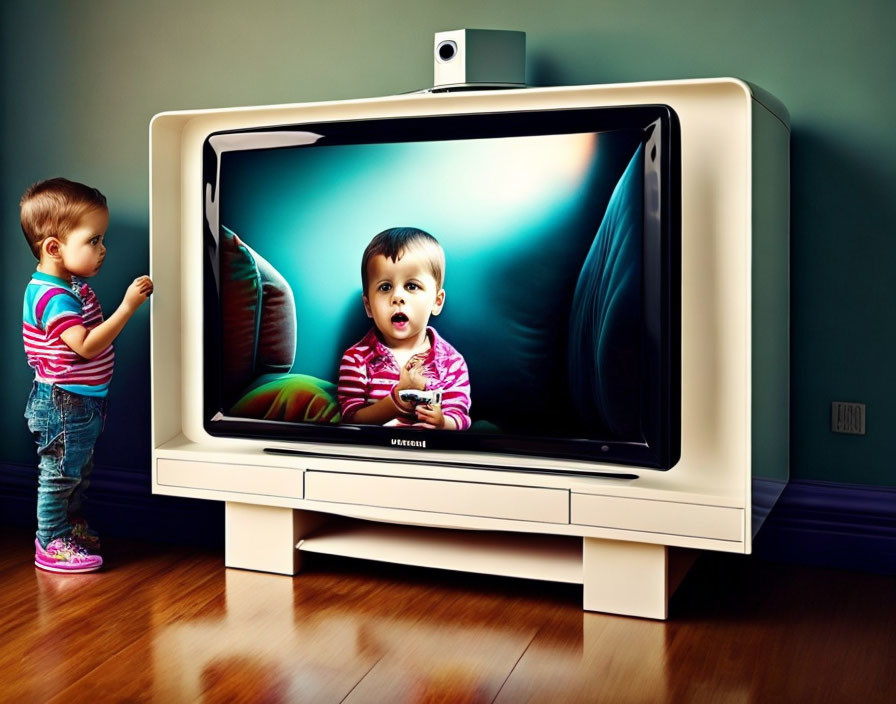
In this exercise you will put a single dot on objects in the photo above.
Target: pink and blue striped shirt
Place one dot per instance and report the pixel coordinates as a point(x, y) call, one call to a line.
point(368, 372)
point(51, 307)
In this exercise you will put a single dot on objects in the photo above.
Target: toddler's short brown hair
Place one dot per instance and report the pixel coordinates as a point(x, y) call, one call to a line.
point(395, 241)
point(53, 207)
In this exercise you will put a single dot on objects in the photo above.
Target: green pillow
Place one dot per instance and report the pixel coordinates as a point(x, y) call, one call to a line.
point(291, 397)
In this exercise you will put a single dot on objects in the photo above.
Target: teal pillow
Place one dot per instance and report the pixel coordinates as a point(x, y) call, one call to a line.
point(604, 358)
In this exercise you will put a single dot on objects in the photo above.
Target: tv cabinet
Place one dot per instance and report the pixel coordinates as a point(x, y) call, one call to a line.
point(627, 541)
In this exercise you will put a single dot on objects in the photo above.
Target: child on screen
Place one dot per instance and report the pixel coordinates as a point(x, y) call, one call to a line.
point(69, 345)
point(402, 273)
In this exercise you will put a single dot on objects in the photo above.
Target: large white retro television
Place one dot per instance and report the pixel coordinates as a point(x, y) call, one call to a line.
point(616, 287)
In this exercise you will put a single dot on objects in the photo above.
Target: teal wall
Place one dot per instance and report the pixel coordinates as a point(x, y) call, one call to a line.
point(81, 81)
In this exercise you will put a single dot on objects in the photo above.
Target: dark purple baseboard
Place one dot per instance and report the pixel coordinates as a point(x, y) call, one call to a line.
point(845, 526)
point(121, 505)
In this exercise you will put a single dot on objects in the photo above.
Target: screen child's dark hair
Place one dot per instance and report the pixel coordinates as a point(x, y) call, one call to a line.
point(392, 243)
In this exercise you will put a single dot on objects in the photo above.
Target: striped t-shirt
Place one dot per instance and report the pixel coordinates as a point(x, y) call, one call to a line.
point(369, 371)
point(50, 308)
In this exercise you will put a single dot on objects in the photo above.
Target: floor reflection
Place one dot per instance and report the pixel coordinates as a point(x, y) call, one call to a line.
point(271, 644)
point(266, 642)
point(607, 658)
point(259, 645)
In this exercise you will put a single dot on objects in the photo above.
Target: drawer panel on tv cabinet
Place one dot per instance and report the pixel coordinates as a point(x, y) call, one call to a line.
point(518, 503)
point(667, 517)
point(239, 478)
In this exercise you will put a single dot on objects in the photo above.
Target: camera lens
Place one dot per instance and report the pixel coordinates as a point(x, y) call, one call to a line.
point(447, 50)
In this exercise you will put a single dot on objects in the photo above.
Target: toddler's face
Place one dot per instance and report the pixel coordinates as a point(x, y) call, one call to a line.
point(83, 250)
point(400, 297)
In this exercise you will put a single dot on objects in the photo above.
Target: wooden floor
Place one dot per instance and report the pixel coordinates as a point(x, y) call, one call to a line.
point(173, 625)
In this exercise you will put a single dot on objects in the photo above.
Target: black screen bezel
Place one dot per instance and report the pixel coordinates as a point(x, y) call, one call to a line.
point(661, 319)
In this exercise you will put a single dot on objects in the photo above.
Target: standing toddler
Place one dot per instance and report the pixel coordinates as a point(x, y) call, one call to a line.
point(69, 345)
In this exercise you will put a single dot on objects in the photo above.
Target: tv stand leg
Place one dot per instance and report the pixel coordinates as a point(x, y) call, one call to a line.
point(632, 579)
point(263, 538)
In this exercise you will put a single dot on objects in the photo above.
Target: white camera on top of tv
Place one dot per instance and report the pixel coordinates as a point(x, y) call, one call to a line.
point(479, 58)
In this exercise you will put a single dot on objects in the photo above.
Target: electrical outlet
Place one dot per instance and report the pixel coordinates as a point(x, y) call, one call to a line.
point(848, 418)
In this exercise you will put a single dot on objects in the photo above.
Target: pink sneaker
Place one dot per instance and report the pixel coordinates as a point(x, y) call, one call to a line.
point(65, 555)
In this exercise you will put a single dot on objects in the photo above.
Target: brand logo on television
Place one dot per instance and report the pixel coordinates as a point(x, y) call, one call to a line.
point(408, 443)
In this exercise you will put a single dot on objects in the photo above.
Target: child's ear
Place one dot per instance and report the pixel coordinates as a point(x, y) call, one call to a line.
point(440, 301)
point(367, 305)
point(51, 247)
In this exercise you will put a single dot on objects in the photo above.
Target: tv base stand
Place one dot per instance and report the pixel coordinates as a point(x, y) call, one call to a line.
point(619, 577)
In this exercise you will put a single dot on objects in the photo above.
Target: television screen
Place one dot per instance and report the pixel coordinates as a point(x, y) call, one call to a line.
point(522, 288)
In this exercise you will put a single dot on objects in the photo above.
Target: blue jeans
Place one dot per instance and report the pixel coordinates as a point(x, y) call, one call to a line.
point(65, 427)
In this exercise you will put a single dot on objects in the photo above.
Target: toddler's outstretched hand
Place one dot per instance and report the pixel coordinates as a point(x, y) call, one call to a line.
point(138, 292)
